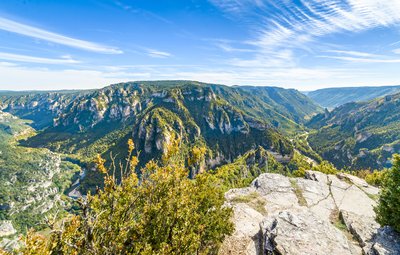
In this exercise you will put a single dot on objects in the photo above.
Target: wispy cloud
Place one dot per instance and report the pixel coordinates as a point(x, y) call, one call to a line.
point(145, 13)
point(354, 53)
point(396, 51)
point(290, 24)
point(225, 46)
point(289, 38)
point(158, 54)
point(39, 60)
point(360, 57)
point(23, 29)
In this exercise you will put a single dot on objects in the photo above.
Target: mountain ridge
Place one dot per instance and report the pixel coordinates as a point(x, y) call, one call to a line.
point(227, 121)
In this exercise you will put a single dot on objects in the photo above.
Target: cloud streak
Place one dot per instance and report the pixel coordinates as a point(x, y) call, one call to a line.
point(360, 57)
point(26, 30)
point(38, 60)
point(158, 54)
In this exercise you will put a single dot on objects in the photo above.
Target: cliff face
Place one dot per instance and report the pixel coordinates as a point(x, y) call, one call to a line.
point(318, 214)
point(227, 120)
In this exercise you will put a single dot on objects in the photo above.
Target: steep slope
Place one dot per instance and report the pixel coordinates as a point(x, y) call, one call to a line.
point(359, 135)
point(227, 120)
point(32, 180)
point(334, 97)
point(279, 107)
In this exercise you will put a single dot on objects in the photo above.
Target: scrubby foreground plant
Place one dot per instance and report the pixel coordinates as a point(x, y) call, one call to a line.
point(388, 209)
point(159, 212)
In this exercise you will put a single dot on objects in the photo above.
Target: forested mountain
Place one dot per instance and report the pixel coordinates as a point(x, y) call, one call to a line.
point(334, 97)
point(361, 135)
point(225, 121)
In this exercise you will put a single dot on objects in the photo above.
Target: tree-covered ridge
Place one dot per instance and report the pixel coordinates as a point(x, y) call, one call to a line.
point(276, 106)
point(228, 120)
point(359, 135)
point(334, 97)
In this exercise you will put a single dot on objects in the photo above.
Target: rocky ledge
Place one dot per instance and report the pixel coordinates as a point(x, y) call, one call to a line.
point(318, 214)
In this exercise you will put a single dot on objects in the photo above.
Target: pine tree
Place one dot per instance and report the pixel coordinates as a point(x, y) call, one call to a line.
point(388, 209)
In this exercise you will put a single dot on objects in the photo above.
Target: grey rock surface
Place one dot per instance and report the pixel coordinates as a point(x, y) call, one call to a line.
point(318, 214)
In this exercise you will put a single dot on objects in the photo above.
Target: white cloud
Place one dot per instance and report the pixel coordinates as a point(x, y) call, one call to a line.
point(31, 59)
point(22, 29)
point(396, 51)
point(158, 54)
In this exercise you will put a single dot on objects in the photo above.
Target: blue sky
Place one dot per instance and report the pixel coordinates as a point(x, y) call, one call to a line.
point(302, 44)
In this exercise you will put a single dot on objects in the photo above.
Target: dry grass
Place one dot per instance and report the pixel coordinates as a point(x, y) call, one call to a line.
point(298, 192)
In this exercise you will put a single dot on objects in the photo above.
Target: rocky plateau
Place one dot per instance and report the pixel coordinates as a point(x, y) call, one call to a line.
point(317, 214)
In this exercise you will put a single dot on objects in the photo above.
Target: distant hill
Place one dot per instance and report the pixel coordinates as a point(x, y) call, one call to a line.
point(289, 102)
point(359, 135)
point(334, 97)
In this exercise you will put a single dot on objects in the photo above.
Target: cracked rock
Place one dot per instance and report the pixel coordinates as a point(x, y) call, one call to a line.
point(290, 228)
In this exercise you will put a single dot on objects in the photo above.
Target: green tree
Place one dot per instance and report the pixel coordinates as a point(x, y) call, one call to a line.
point(388, 209)
point(159, 212)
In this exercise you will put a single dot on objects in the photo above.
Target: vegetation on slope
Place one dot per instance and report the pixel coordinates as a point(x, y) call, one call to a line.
point(229, 121)
point(32, 180)
point(359, 135)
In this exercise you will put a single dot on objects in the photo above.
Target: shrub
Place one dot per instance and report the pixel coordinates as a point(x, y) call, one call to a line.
point(159, 212)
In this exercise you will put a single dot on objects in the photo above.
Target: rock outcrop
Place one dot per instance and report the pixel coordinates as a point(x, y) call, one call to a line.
point(318, 214)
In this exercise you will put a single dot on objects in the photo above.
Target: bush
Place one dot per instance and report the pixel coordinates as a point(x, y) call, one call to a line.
point(388, 209)
point(325, 167)
point(159, 212)
point(377, 177)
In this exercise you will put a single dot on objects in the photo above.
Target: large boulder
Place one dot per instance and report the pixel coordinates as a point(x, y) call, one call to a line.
point(301, 233)
point(245, 239)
